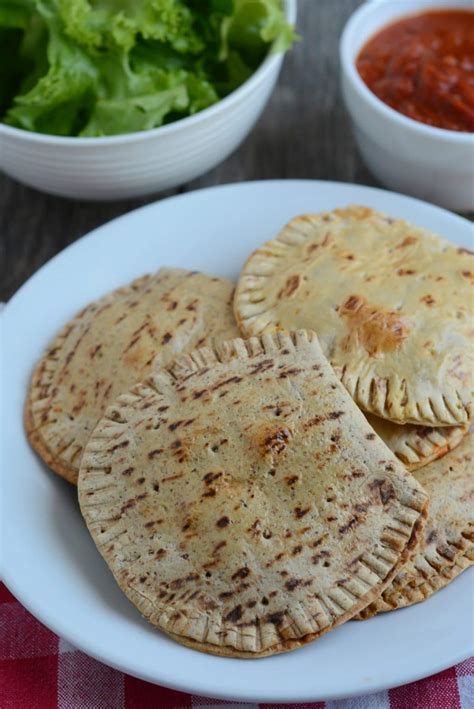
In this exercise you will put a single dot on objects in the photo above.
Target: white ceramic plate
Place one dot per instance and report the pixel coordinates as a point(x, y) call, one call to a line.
point(50, 562)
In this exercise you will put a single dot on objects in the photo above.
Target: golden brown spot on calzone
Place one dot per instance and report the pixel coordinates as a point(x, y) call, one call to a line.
point(128, 505)
point(324, 554)
point(291, 286)
point(124, 444)
point(172, 477)
point(385, 489)
point(350, 524)
point(375, 329)
point(210, 493)
point(241, 573)
point(405, 272)
point(211, 477)
point(94, 350)
point(292, 584)
point(277, 441)
point(407, 241)
point(275, 618)
point(427, 299)
point(316, 420)
point(152, 454)
point(291, 371)
point(230, 380)
point(234, 615)
point(263, 366)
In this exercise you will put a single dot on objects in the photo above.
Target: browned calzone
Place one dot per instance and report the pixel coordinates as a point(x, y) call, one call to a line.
point(110, 345)
point(417, 446)
point(391, 303)
point(447, 545)
point(243, 502)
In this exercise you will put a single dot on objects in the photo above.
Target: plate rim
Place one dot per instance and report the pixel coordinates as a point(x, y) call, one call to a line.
point(57, 627)
point(254, 698)
point(214, 188)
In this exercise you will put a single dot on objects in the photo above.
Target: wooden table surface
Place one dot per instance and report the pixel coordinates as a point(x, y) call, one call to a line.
point(304, 133)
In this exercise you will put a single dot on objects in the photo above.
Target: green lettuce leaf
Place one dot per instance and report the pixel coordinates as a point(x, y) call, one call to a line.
point(111, 117)
point(57, 101)
point(252, 27)
point(129, 100)
point(115, 24)
point(15, 14)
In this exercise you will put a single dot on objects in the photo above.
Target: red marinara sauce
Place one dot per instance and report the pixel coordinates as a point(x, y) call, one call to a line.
point(423, 66)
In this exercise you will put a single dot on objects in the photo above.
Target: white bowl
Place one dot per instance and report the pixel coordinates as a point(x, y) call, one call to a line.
point(433, 164)
point(140, 163)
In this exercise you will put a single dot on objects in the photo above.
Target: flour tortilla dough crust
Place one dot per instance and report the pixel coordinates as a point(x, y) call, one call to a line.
point(417, 446)
point(242, 501)
point(391, 304)
point(447, 547)
point(112, 344)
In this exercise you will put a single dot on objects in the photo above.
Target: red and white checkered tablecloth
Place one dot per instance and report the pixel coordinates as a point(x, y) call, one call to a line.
point(38, 670)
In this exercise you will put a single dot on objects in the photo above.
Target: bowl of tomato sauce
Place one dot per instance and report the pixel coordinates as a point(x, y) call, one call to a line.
point(407, 72)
